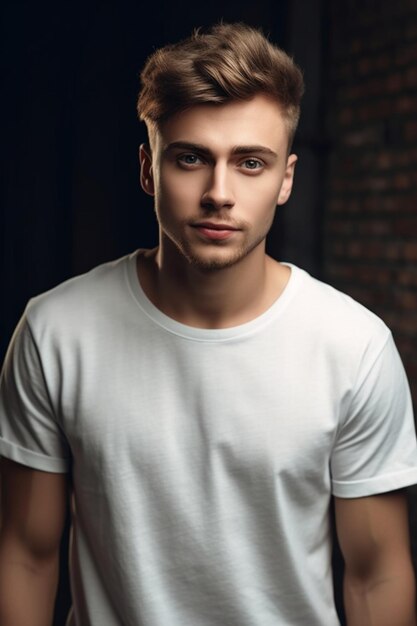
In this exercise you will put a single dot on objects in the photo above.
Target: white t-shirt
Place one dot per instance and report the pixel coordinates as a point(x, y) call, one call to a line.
point(203, 461)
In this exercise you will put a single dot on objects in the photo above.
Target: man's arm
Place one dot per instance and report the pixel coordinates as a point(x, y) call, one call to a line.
point(379, 585)
point(33, 511)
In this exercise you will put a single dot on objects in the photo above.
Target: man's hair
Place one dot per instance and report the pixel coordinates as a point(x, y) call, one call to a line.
point(228, 62)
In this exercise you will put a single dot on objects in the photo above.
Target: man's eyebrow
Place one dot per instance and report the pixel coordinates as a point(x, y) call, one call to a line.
point(253, 149)
point(186, 145)
point(196, 147)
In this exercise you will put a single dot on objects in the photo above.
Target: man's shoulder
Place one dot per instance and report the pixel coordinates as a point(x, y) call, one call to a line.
point(332, 313)
point(80, 296)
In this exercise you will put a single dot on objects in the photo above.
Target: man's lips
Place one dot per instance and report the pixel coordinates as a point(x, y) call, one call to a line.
point(215, 230)
point(214, 226)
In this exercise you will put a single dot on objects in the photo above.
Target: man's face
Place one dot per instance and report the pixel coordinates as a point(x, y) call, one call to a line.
point(217, 173)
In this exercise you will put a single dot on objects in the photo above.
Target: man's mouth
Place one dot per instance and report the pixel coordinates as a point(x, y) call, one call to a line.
point(215, 230)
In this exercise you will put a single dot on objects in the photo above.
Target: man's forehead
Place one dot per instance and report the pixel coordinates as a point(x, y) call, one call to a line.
point(248, 123)
point(231, 111)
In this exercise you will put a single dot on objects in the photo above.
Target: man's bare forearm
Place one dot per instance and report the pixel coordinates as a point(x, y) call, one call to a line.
point(383, 601)
point(27, 590)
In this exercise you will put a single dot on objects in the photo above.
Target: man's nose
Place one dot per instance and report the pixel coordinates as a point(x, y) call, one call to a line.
point(218, 193)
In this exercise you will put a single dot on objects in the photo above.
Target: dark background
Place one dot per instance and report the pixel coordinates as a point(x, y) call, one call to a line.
point(70, 188)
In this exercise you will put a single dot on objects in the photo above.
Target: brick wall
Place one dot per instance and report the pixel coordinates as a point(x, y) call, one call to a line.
point(370, 223)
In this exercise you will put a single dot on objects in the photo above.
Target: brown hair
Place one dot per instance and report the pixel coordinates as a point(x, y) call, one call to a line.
point(229, 62)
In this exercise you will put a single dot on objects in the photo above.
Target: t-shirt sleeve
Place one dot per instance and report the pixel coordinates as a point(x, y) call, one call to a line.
point(29, 431)
point(375, 450)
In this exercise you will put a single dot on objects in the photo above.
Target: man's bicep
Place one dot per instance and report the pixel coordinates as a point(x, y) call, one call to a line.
point(373, 531)
point(33, 508)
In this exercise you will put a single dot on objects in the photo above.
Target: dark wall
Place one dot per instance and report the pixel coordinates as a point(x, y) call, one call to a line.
point(371, 217)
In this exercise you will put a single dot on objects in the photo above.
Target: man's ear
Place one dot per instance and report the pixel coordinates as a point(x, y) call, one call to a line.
point(146, 172)
point(286, 187)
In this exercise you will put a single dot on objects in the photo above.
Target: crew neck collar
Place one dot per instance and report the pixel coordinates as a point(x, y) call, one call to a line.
point(207, 334)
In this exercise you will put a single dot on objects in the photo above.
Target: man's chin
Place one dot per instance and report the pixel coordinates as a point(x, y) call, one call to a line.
point(214, 258)
point(213, 263)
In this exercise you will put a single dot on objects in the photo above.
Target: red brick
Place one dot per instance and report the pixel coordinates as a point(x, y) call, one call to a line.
point(392, 251)
point(407, 277)
point(410, 79)
point(338, 274)
point(374, 227)
point(372, 275)
point(338, 248)
point(408, 323)
point(379, 86)
point(410, 251)
point(341, 227)
point(403, 181)
point(406, 300)
point(384, 160)
point(406, 54)
point(364, 66)
point(405, 346)
point(373, 111)
point(382, 62)
point(346, 116)
point(394, 83)
point(369, 135)
point(410, 131)
point(365, 249)
point(406, 227)
point(373, 203)
point(406, 157)
point(344, 71)
point(408, 203)
point(406, 104)
point(377, 183)
point(335, 205)
point(390, 203)
point(411, 31)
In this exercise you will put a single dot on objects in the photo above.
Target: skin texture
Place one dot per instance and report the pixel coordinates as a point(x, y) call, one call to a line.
point(33, 507)
point(379, 585)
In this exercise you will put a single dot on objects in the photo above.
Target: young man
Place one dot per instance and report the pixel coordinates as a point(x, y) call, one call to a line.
point(206, 400)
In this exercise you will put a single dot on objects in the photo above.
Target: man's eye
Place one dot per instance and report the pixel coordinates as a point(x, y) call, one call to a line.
point(189, 159)
point(252, 164)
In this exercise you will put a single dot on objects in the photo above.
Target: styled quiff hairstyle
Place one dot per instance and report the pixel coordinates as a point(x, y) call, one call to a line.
point(229, 62)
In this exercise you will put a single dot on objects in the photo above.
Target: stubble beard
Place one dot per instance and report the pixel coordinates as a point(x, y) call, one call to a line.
point(213, 262)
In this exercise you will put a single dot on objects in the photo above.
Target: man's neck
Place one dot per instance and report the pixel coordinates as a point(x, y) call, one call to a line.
point(219, 298)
